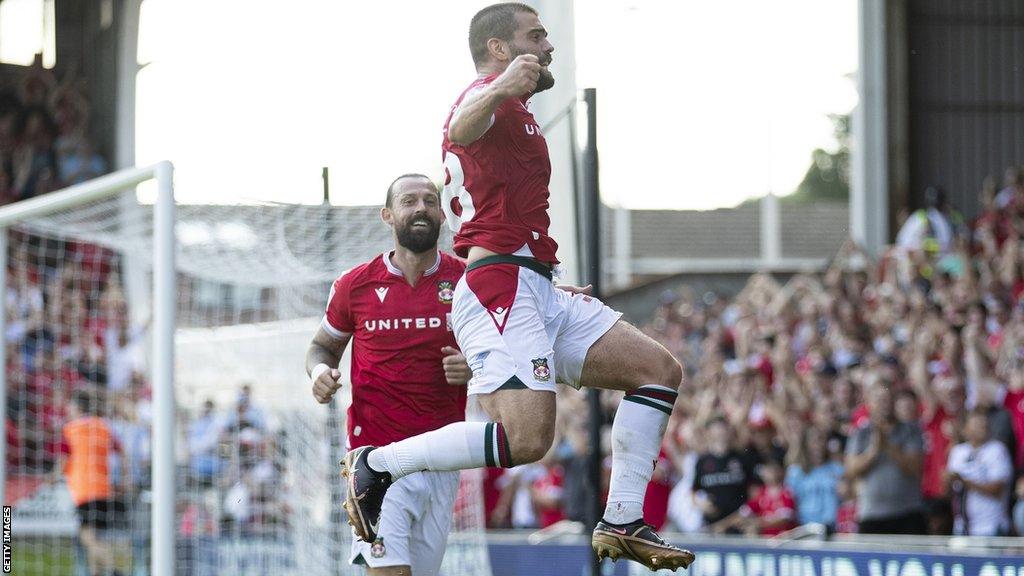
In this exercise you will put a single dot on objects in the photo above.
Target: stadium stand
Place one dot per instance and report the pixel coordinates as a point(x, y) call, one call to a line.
point(780, 373)
point(787, 370)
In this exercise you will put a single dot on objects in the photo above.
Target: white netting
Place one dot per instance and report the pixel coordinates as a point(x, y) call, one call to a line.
point(258, 488)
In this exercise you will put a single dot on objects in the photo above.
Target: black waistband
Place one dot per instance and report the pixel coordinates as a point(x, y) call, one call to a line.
point(538, 267)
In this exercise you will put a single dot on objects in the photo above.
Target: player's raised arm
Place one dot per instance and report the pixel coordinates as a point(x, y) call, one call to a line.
point(322, 360)
point(476, 113)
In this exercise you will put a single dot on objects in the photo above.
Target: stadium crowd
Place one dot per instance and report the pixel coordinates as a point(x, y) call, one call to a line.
point(75, 360)
point(881, 396)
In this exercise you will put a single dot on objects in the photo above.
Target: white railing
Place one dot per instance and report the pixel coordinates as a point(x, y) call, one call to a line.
point(164, 290)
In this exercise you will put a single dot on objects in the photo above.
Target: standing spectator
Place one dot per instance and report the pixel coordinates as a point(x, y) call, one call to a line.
point(932, 229)
point(246, 414)
point(33, 159)
point(683, 512)
point(81, 162)
point(981, 472)
point(814, 478)
point(658, 490)
point(547, 493)
point(722, 476)
point(884, 458)
point(1011, 197)
point(134, 436)
point(203, 445)
point(89, 445)
point(1014, 403)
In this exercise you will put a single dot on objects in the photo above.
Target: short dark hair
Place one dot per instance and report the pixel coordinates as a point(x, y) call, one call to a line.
point(494, 21)
point(391, 188)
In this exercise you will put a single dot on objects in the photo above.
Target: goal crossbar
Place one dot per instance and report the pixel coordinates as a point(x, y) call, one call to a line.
point(164, 289)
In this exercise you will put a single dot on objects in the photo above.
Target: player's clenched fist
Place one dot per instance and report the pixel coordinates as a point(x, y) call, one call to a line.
point(325, 382)
point(456, 370)
point(520, 77)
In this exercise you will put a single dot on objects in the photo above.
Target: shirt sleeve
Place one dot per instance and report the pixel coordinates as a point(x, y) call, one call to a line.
point(337, 319)
point(955, 461)
point(1001, 466)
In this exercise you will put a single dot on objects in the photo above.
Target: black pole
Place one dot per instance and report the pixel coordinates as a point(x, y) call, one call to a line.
point(591, 222)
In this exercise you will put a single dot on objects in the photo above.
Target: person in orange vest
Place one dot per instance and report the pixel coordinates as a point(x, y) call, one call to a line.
point(86, 449)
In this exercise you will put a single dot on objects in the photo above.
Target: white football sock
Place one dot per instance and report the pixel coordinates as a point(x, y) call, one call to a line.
point(636, 439)
point(457, 446)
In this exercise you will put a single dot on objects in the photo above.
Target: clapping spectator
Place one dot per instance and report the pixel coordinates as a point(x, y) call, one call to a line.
point(884, 458)
point(981, 472)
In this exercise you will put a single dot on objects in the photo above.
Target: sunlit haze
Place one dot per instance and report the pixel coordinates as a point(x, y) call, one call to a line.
point(702, 104)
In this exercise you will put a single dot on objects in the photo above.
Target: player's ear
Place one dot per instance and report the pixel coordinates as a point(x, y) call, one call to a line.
point(498, 49)
point(387, 216)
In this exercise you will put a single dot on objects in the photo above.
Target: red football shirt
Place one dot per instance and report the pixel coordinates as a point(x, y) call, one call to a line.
point(496, 189)
point(398, 384)
point(1014, 403)
point(938, 438)
point(774, 504)
point(658, 491)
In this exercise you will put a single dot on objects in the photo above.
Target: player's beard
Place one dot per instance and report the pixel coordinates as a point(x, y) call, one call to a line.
point(547, 79)
point(418, 240)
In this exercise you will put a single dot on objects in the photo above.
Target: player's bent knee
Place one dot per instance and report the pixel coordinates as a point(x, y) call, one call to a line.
point(661, 369)
point(672, 372)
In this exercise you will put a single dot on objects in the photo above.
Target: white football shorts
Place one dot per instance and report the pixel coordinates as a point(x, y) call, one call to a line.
point(517, 330)
point(414, 523)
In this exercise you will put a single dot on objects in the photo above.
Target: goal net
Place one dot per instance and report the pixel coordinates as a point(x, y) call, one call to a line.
point(257, 483)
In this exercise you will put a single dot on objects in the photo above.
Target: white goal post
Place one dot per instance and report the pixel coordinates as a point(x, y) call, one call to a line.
point(162, 563)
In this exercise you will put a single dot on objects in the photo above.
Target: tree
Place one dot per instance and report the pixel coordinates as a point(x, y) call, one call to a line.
point(828, 177)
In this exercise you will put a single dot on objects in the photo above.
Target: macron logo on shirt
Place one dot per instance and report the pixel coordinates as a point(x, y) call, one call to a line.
point(382, 292)
point(500, 316)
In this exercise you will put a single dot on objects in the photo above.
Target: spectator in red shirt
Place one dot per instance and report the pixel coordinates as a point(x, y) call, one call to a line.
point(943, 398)
point(846, 517)
point(658, 491)
point(546, 493)
point(771, 509)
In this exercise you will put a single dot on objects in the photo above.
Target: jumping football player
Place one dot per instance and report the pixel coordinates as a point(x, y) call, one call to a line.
point(518, 332)
point(407, 376)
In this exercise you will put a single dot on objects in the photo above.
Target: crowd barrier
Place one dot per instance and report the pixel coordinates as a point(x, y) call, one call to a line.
point(893, 556)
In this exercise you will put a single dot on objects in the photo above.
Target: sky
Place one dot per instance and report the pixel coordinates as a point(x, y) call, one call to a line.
point(701, 104)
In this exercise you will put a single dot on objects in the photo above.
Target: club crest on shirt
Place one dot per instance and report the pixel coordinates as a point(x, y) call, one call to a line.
point(540, 369)
point(445, 291)
point(377, 549)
